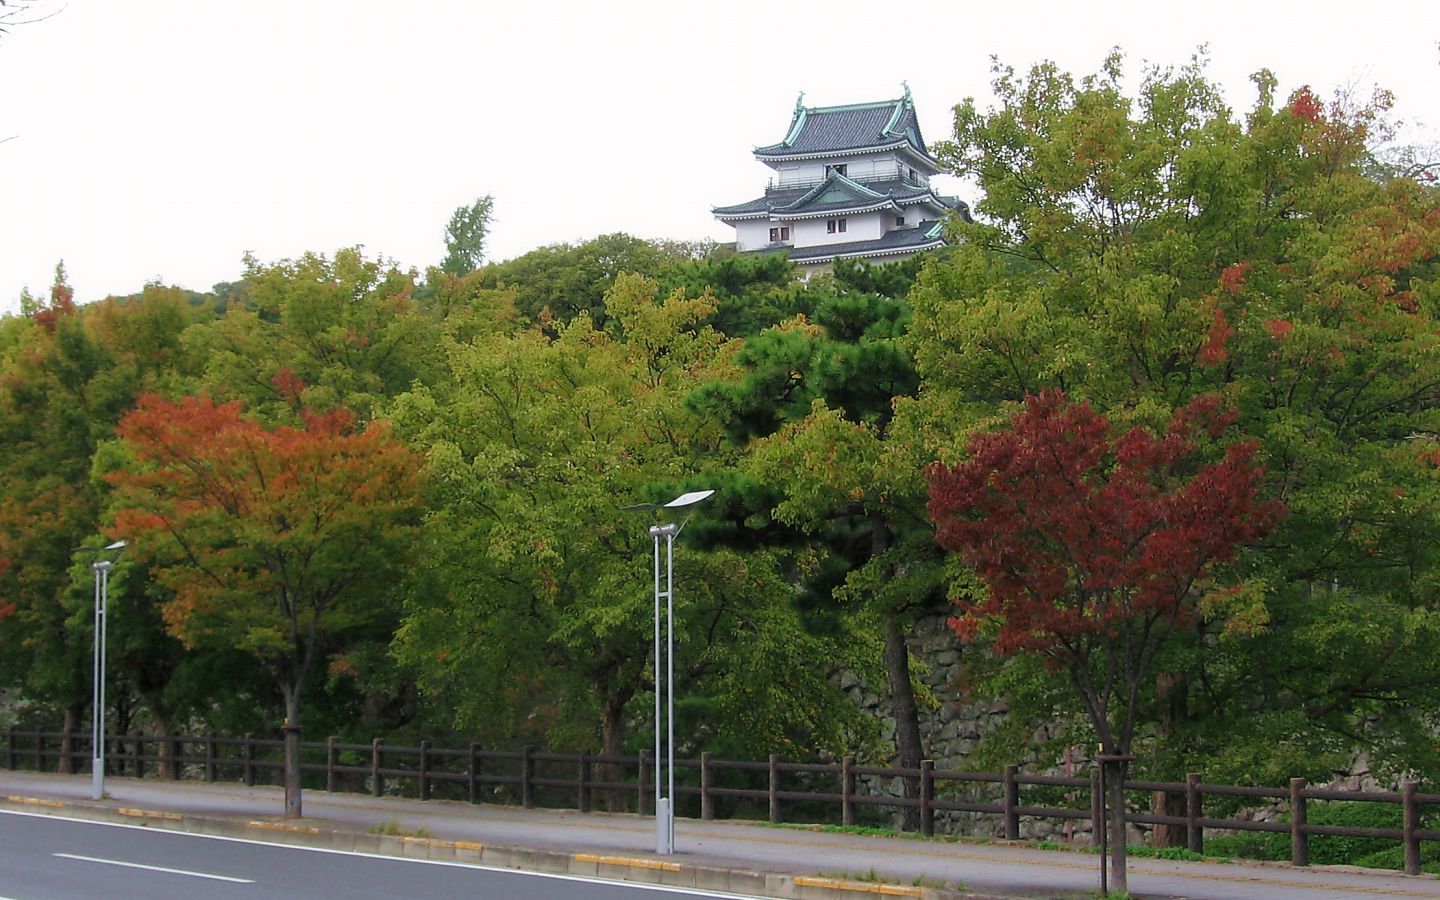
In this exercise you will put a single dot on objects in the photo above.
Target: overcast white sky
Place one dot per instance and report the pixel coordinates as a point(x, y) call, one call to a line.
point(162, 139)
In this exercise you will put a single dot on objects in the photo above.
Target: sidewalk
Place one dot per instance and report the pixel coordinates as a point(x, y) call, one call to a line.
point(747, 859)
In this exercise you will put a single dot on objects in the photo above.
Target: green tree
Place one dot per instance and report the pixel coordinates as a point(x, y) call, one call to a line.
point(465, 236)
point(537, 586)
point(751, 291)
point(318, 332)
point(1140, 252)
point(813, 405)
point(555, 284)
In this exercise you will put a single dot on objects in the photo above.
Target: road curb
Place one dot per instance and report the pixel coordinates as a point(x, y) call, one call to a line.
point(641, 869)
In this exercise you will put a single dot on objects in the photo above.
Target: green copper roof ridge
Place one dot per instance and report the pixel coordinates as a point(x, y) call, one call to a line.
point(900, 106)
point(811, 194)
point(851, 107)
point(857, 185)
point(795, 127)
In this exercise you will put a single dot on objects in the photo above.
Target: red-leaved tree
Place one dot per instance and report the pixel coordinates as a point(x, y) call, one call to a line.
point(6, 609)
point(283, 542)
point(1095, 547)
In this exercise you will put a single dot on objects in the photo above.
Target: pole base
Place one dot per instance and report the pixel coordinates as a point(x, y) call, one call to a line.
point(664, 827)
point(97, 780)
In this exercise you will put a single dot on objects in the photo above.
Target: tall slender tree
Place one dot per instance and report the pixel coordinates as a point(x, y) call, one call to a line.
point(465, 236)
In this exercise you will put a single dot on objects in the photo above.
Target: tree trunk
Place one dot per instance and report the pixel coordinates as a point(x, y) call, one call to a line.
point(292, 754)
point(67, 741)
point(908, 748)
point(1172, 690)
point(612, 743)
point(165, 767)
point(1115, 775)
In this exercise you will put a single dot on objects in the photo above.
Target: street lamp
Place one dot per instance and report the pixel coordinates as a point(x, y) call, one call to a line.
point(102, 569)
point(665, 669)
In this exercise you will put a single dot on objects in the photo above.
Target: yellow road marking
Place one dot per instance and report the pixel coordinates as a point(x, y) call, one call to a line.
point(859, 887)
point(634, 863)
point(148, 814)
point(281, 826)
point(33, 801)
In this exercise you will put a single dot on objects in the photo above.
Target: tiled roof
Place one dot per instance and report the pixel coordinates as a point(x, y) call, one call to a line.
point(835, 192)
point(836, 129)
point(901, 240)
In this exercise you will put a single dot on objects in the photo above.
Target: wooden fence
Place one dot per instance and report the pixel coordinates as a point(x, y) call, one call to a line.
point(720, 788)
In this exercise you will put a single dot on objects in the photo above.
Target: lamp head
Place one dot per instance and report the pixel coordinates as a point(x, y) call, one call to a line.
point(689, 499)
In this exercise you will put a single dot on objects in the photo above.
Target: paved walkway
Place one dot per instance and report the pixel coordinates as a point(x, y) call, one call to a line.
point(620, 845)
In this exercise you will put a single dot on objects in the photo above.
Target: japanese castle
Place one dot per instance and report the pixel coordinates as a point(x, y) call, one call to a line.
point(851, 182)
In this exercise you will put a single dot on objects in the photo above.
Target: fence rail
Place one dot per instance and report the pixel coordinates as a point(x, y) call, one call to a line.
point(475, 774)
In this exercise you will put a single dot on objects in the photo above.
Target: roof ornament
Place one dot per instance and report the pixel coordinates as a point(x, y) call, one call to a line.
point(800, 103)
point(906, 85)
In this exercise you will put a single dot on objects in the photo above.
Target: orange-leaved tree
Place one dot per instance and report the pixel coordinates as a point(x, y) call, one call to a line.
point(280, 542)
point(1094, 547)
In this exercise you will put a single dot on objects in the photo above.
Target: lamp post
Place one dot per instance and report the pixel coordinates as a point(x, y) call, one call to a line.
point(102, 569)
point(665, 669)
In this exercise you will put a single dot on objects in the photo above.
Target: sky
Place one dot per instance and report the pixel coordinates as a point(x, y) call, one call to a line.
point(162, 140)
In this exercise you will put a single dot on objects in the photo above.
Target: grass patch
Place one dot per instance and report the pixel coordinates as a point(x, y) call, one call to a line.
point(1326, 849)
point(393, 828)
point(870, 876)
point(1183, 854)
point(867, 831)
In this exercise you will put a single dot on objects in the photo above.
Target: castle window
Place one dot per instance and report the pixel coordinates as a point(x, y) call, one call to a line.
point(837, 170)
point(899, 220)
point(780, 234)
point(834, 225)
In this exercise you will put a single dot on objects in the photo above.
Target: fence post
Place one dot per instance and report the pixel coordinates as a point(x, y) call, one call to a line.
point(1012, 800)
point(377, 758)
point(641, 793)
point(1194, 834)
point(39, 751)
point(332, 759)
point(137, 752)
point(707, 781)
point(472, 773)
point(774, 787)
point(210, 756)
point(10, 748)
point(66, 746)
point(424, 770)
point(927, 794)
point(847, 789)
point(582, 784)
point(527, 775)
point(176, 748)
point(1097, 808)
point(1411, 824)
point(1299, 838)
point(247, 760)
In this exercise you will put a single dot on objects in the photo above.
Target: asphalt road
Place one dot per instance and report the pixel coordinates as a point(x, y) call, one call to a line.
point(49, 858)
point(994, 868)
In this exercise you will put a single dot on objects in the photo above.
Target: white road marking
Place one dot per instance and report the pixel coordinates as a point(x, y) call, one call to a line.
point(551, 876)
point(131, 865)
